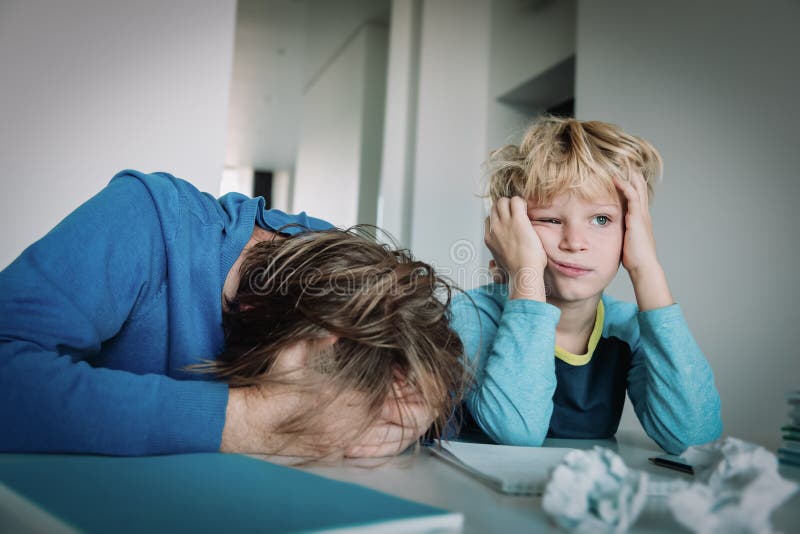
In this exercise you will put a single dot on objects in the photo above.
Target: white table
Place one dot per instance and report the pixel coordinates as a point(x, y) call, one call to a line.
point(425, 479)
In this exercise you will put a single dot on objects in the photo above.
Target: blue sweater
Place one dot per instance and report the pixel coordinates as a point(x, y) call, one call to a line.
point(524, 394)
point(100, 316)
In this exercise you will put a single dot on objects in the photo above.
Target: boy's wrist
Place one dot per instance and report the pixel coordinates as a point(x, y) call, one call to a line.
point(527, 283)
point(651, 288)
point(645, 267)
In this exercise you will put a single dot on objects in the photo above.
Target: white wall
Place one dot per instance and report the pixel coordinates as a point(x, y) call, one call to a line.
point(447, 68)
point(330, 23)
point(281, 188)
point(446, 223)
point(338, 158)
point(526, 40)
point(91, 87)
point(714, 86)
point(267, 84)
point(400, 122)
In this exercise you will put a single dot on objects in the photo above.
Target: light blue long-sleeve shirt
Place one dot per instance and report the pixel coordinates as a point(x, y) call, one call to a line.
point(526, 389)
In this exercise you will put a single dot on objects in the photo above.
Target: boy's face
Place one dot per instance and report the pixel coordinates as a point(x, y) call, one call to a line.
point(583, 242)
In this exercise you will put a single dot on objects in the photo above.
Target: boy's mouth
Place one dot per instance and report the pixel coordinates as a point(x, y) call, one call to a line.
point(570, 269)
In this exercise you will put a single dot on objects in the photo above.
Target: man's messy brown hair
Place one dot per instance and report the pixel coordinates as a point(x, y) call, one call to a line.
point(388, 311)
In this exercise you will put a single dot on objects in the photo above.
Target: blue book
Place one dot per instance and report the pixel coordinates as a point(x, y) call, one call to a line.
point(200, 493)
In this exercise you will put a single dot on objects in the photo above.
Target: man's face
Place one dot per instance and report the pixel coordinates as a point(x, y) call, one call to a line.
point(583, 242)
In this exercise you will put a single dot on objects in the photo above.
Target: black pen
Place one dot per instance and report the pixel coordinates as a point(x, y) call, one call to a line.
point(672, 464)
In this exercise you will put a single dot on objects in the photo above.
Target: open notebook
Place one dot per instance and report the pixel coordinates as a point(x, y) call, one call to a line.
point(514, 470)
point(195, 493)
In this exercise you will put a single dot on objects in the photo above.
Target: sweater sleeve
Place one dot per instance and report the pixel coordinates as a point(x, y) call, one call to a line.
point(511, 344)
point(65, 296)
point(670, 382)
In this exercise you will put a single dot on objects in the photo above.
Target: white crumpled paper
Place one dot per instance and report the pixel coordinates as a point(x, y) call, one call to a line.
point(594, 491)
point(737, 487)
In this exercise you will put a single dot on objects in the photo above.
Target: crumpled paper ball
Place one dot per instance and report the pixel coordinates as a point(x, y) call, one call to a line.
point(594, 491)
point(737, 488)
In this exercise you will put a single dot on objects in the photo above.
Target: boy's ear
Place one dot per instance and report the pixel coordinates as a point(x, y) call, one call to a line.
point(499, 275)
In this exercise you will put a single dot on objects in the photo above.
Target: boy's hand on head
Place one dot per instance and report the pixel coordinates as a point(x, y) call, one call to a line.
point(516, 248)
point(639, 247)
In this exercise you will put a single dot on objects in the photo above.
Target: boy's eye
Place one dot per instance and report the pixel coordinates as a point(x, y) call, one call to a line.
point(601, 220)
point(546, 220)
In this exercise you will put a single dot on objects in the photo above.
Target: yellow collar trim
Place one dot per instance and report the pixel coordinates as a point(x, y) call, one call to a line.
point(594, 338)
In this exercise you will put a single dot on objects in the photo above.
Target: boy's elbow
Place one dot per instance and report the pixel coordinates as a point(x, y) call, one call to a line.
point(705, 428)
point(707, 425)
point(520, 433)
point(524, 440)
point(517, 438)
point(506, 423)
point(708, 429)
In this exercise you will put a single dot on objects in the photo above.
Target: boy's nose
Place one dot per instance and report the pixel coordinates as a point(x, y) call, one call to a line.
point(572, 239)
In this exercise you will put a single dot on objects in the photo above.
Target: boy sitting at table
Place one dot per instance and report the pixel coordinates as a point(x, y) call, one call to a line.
point(554, 354)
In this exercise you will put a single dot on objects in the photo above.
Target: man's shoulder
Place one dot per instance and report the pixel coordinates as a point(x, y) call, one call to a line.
point(157, 183)
point(172, 197)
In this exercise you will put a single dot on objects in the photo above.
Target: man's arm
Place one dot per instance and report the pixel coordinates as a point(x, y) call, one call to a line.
point(251, 417)
point(60, 301)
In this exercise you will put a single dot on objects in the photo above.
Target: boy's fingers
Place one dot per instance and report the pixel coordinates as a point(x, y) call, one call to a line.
point(517, 207)
point(639, 185)
point(502, 206)
point(642, 185)
point(625, 187)
point(630, 193)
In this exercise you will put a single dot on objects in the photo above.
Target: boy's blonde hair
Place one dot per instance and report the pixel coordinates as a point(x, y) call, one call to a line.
point(567, 155)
